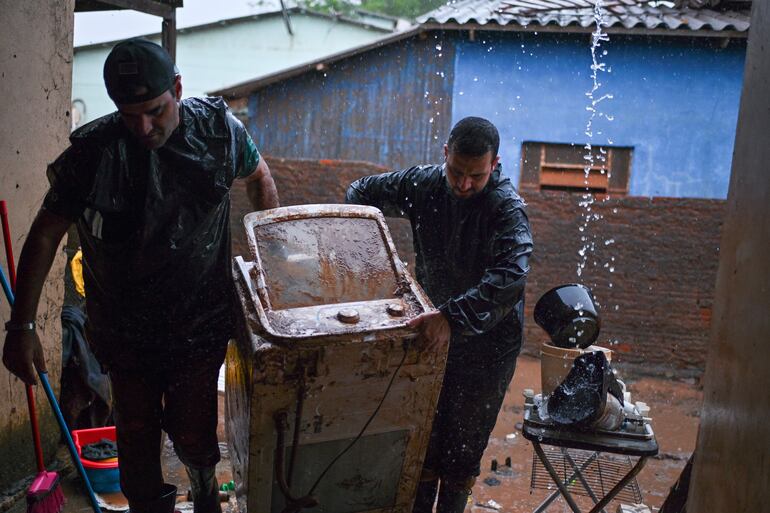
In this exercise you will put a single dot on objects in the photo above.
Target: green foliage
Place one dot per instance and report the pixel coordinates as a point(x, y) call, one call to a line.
point(400, 8)
point(329, 6)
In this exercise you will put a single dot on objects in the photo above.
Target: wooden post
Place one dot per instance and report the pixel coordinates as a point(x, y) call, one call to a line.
point(168, 34)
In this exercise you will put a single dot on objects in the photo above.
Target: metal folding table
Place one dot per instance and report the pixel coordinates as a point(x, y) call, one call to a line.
point(622, 442)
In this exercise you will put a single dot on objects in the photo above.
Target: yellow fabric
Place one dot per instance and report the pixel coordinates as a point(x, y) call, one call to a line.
point(77, 272)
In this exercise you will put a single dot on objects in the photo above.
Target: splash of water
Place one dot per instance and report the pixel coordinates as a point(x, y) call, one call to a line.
point(595, 97)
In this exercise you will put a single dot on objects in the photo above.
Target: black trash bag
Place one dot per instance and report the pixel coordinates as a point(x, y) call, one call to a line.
point(154, 228)
point(86, 399)
point(579, 401)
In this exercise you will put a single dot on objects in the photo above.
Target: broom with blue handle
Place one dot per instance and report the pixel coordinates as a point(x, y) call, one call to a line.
point(70, 444)
point(64, 429)
point(44, 494)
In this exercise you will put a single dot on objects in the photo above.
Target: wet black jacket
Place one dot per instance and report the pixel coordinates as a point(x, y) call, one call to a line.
point(471, 253)
point(154, 228)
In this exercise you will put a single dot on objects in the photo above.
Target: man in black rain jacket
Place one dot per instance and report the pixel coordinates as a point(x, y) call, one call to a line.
point(472, 241)
point(148, 188)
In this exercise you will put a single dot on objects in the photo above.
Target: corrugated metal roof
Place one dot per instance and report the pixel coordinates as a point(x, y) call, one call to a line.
point(626, 14)
point(630, 16)
point(365, 19)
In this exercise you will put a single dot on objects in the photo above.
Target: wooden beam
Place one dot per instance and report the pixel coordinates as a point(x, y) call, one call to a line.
point(168, 34)
point(153, 7)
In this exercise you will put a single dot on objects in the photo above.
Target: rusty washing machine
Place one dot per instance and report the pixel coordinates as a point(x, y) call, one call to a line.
point(329, 400)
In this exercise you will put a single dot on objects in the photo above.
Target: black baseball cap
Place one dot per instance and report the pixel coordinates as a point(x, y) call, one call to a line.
point(138, 70)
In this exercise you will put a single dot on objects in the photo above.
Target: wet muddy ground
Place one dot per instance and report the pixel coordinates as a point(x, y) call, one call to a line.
point(675, 407)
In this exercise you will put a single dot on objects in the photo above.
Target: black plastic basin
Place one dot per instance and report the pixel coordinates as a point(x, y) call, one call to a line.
point(569, 315)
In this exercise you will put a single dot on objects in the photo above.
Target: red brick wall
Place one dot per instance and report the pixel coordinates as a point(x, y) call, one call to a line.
point(666, 258)
point(665, 250)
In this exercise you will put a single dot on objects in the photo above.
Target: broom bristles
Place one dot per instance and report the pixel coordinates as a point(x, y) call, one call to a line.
point(45, 494)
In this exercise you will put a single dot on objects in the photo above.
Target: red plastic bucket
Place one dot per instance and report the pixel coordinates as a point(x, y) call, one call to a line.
point(104, 475)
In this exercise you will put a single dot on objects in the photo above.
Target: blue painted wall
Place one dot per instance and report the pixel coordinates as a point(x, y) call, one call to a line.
point(389, 106)
point(675, 102)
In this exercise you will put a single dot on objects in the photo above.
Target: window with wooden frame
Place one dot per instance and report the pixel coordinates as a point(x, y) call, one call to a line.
point(562, 167)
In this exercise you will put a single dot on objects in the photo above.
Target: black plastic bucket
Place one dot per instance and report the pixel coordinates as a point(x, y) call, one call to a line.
point(569, 315)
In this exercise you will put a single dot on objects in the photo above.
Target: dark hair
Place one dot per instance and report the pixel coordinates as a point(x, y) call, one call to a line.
point(474, 137)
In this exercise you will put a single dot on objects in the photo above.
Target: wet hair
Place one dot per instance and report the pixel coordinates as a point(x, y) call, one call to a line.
point(474, 137)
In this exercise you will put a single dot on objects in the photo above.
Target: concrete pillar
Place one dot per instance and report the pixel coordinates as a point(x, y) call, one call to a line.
point(731, 472)
point(35, 89)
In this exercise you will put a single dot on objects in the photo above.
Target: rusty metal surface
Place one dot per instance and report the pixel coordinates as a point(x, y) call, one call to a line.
point(333, 369)
point(337, 319)
point(320, 254)
point(279, 313)
point(622, 14)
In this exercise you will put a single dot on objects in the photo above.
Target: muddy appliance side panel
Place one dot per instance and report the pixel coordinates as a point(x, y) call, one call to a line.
point(267, 401)
point(365, 478)
point(239, 369)
point(380, 471)
point(237, 412)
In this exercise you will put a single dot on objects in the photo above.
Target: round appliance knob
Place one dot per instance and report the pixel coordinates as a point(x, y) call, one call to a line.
point(348, 316)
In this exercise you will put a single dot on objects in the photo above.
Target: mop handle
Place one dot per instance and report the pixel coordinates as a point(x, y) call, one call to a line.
point(68, 438)
point(35, 428)
point(7, 240)
point(6, 287)
point(30, 395)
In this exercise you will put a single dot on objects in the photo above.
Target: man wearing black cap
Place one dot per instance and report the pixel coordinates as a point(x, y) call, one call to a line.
point(148, 187)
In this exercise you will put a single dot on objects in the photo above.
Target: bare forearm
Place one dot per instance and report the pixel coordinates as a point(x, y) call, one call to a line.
point(260, 188)
point(262, 197)
point(35, 261)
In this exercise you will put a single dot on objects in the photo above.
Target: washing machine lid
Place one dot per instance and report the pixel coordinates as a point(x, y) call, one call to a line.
point(326, 270)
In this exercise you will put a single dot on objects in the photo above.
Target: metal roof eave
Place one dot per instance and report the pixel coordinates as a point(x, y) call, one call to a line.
point(577, 29)
point(245, 88)
point(243, 19)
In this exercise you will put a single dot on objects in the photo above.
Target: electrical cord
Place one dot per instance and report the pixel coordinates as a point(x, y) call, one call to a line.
point(308, 501)
point(297, 418)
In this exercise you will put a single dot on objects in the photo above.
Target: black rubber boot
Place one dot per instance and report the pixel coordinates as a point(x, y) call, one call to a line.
point(426, 496)
point(163, 504)
point(205, 491)
point(453, 495)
